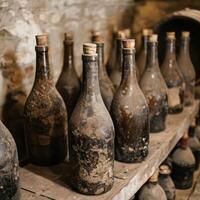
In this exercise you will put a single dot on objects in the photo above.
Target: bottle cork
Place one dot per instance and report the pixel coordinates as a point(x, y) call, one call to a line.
point(41, 40)
point(89, 48)
point(153, 38)
point(68, 36)
point(164, 169)
point(128, 43)
point(147, 32)
point(171, 35)
point(96, 37)
point(127, 33)
point(185, 34)
point(154, 177)
point(120, 35)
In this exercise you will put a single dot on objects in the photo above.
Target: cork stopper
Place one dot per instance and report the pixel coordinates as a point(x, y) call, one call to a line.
point(147, 32)
point(120, 35)
point(171, 35)
point(128, 43)
point(153, 38)
point(89, 48)
point(164, 169)
point(68, 36)
point(127, 33)
point(154, 177)
point(41, 40)
point(185, 34)
point(96, 37)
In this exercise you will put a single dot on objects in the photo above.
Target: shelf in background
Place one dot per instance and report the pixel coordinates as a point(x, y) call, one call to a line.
point(49, 182)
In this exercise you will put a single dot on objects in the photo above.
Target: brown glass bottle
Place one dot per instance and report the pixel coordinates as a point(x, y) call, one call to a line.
point(45, 113)
point(154, 88)
point(106, 86)
point(187, 68)
point(183, 165)
point(151, 190)
point(9, 166)
point(141, 61)
point(91, 133)
point(129, 112)
point(166, 182)
point(68, 83)
point(172, 76)
point(194, 145)
point(116, 73)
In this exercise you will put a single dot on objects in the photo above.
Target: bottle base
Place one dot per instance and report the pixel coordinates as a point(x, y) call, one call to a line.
point(175, 110)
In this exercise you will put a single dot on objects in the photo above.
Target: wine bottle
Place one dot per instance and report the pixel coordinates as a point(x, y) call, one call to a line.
point(45, 113)
point(129, 112)
point(91, 133)
point(68, 83)
point(154, 88)
point(106, 86)
point(172, 76)
point(186, 67)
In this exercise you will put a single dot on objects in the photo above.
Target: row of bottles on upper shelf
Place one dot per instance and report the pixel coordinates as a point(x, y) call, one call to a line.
point(96, 110)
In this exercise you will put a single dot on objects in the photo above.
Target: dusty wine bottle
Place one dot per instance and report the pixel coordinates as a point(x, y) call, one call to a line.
point(45, 113)
point(186, 67)
point(129, 112)
point(166, 182)
point(183, 165)
point(173, 77)
point(154, 88)
point(194, 144)
point(9, 167)
point(151, 190)
point(68, 83)
point(106, 86)
point(116, 73)
point(141, 61)
point(91, 133)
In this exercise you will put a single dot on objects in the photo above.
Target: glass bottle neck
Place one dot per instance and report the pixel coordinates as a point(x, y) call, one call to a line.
point(144, 43)
point(152, 55)
point(68, 55)
point(101, 66)
point(170, 50)
point(90, 76)
point(184, 48)
point(42, 64)
point(119, 53)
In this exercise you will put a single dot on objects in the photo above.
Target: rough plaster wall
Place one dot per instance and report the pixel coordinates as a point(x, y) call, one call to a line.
point(21, 20)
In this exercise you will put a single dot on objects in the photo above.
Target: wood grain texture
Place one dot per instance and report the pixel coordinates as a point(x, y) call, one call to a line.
point(50, 181)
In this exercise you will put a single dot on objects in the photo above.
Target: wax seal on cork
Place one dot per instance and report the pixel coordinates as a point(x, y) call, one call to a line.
point(147, 32)
point(96, 37)
point(121, 35)
point(41, 40)
point(154, 177)
point(153, 38)
point(128, 43)
point(171, 35)
point(68, 36)
point(164, 169)
point(185, 34)
point(89, 48)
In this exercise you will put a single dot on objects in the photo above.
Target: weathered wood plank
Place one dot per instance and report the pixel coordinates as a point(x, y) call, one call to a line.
point(195, 195)
point(49, 181)
point(26, 195)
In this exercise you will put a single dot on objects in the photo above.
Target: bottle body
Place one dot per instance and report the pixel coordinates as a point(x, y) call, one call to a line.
point(173, 78)
point(68, 83)
point(187, 70)
point(9, 170)
point(168, 186)
point(130, 115)
point(45, 117)
point(154, 90)
point(91, 136)
point(151, 191)
point(183, 166)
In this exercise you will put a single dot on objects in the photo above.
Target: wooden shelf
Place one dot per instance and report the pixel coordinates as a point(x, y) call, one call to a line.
point(49, 182)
